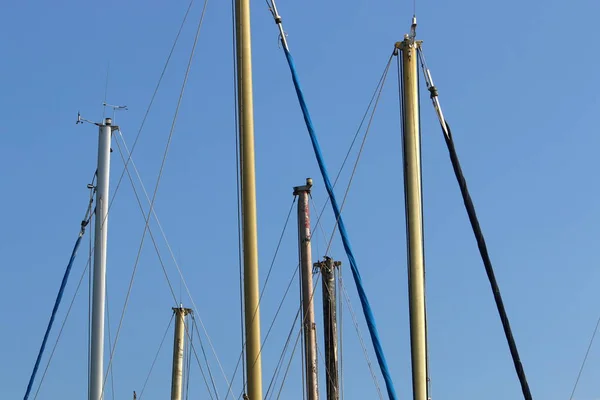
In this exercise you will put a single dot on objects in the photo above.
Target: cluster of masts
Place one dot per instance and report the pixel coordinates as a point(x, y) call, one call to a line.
point(412, 179)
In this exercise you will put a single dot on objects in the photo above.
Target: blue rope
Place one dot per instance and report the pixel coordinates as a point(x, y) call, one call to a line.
point(336, 210)
point(54, 310)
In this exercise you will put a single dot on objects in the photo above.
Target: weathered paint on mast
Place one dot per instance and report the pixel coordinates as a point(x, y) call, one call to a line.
point(178, 346)
point(306, 283)
point(248, 193)
point(327, 269)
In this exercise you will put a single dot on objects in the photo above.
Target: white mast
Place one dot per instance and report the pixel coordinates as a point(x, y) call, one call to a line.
point(99, 280)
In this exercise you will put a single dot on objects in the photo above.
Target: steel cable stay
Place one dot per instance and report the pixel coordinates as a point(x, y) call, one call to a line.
point(370, 107)
point(477, 231)
point(281, 360)
point(587, 352)
point(360, 150)
point(132, 164)
point(156, 356)
point(279, 364)
point(151, 103)
point(279, 242)
point(291, 359)
point(61, 290)
point(189, 363)
point(60, 331)
point(271, 325)
point(169, 248)
point(158, 180)
point(208, 387)
point(368, 312)
point(346, 298)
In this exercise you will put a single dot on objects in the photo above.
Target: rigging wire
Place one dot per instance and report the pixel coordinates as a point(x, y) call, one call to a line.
point(587, 352)
point(282, 357)
point(238, 196)
point(289, 363)
point(360, 150)
point(152, 238)
point(110, 370)
point(59, 296)
point(360, 337)
point(173, 258)
point(370, 318)
point(156, 355)
point(60, 331)
point(271, 324)
point(160, 172)
point(200, 365)
point(470, 208)
point(212, 380)
point(160, 79)
point(355, 137)
point(279, 242)
point(189, 363)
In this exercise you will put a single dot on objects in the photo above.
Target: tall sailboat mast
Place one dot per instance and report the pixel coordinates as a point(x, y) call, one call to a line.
point(306, 284)
point(178, 346)
point(248, 192)
point(99, 277)
point(411, 145)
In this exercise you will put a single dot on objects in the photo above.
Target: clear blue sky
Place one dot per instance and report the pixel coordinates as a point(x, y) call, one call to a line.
point(518, 81)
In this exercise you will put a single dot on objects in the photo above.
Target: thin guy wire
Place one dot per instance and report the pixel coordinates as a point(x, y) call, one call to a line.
point(150, 230)
point(152, 238)
point(238, 188)
point(170, 249)
point(91, 215)
point(585, 358)
point(265, 286)
point(354, 139)
point(362, 145)
point(212, 380)
point(62, 327)
point(111, 370)
point(303, 320)
point(160, 172)
point(156, 356)
point(289, 363)
point(189, 365)
point(198, 361)
point(162, 74)
point(282, 356)
point(271, 325)
point(362, 343)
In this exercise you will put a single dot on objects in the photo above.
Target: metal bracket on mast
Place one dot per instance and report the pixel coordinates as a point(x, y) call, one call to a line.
point(107, 121)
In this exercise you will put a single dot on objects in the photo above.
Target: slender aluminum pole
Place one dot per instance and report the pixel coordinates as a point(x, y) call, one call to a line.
point(248, 191)
point(99, 280)
point(178, 341)
point(327, 269)
point(306, 282)
point(414, 216)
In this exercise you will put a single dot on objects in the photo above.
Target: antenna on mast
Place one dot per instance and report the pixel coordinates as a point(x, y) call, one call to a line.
point(81, 120)
point(115, 108)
